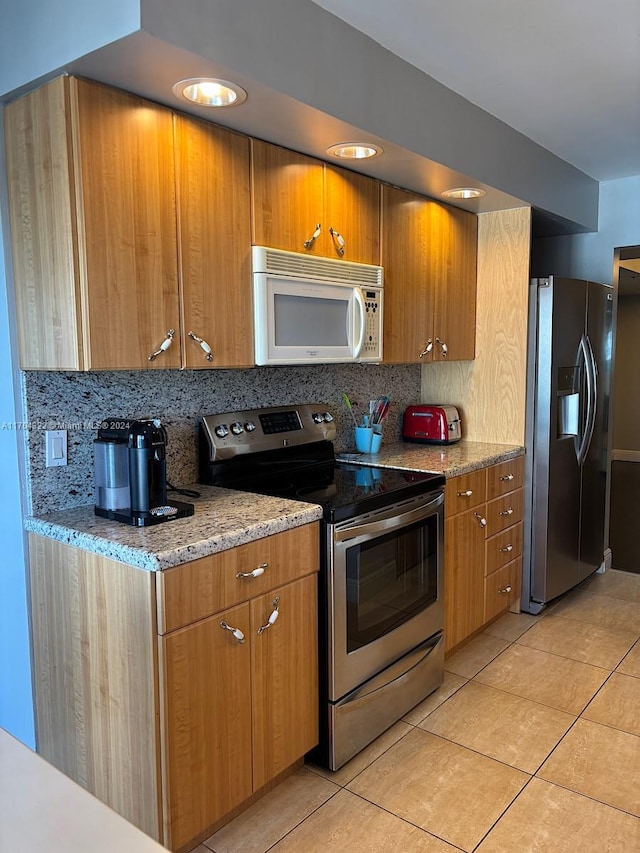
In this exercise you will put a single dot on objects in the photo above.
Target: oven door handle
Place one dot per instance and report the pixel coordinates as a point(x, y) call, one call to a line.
point(391, 522)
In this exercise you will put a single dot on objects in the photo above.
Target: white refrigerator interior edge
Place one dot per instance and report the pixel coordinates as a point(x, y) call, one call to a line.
point(568, 389)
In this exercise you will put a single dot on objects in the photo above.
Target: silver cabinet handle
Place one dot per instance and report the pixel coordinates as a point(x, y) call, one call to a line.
point(506, 511)
point(236, 632)
point(508, 477)
point(466, 494)
point(427, 348)
point(204, 346)
point(506, 590)
point(482, 521)
point(259, 570)
point(166, 343)
point(506, 550)
point(274, 615)
point(444, 348)
point(338, 239)
point(309, 243)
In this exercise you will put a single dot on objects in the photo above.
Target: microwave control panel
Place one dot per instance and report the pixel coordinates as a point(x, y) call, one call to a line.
point(372, 348)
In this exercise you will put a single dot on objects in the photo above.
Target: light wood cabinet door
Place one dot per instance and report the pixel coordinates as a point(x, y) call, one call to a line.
point(92, 210)
point(408, 325)
point(127, 227)
point(464, 575)
point(288, 198)
point(206, 720)
point(352, 209)
point(214, 238)
point(453, 245)
point(285, 678)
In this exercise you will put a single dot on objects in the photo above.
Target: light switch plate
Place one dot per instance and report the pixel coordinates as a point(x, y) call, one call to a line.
point(55, 447)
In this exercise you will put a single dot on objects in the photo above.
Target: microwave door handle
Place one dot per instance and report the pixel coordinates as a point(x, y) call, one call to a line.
point(361, 309)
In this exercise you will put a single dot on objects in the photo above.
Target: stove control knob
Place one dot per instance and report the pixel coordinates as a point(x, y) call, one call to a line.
point(221, 431)
point(327, 417)
point(249, 426)
point(318, 418)
point(237, 428)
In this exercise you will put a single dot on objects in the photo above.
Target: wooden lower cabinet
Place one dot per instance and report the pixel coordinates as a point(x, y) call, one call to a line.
point(176, 728)
point(483, 548)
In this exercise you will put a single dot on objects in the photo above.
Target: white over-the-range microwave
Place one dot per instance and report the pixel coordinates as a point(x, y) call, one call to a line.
point(310, 310)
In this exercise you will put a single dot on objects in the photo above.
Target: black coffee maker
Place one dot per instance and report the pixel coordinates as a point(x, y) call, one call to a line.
point(130, 473)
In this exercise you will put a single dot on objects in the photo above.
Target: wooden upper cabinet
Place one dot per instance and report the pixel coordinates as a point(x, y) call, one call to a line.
point(453, 245)
point(214, 237)
point(429, 258)
point(92, 211)
point(407, 295)
point(287, 198)
point(294, 196)
point(352, 209)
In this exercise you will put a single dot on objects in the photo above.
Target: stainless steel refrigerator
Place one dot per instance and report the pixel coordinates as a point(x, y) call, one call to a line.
point(568, 389)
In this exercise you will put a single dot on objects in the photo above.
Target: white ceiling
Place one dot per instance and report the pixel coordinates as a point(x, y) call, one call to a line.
point(566, 74)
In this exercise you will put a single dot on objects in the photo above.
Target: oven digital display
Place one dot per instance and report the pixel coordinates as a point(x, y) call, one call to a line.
point(280, 422)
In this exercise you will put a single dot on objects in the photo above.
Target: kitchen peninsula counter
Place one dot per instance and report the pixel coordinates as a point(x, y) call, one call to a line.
point(448, 459)
point(222, 519)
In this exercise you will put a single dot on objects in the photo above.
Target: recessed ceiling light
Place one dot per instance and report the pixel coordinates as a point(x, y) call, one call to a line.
point(464, 192)
point(354, 150)
point(210, 92)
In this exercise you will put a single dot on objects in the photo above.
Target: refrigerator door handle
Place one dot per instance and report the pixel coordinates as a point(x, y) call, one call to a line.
point(591, 380)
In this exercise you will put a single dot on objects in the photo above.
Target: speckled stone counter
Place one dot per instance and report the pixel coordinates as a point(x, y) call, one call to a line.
point(222, 520)
point(448, 459)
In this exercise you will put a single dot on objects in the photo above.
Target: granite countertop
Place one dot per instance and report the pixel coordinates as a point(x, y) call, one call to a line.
point(222, 519)
point(448, 459)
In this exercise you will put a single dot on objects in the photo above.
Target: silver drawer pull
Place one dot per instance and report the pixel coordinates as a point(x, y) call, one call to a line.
point(506, 590)
point(466, 494)
point(506, 511)
point(506, 550)
point(482, 521)
point(237, 633)
point(427, 348)
point(164, 346)
point(259, 570)
point(508, 477)
point(311, 240)
point(274, 615)
point(339, 240)
point(204, 346)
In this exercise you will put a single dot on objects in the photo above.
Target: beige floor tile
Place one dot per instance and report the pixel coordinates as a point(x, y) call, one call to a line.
point(363, 759)
point(511, 626)
point(444, 788)
point(616, 704)
point(600, 610)
point(475, 655)
point(625, 585)
point(631, 664)
point(581, 641)
point(348, 822)
point(567, 685)
point(449, 686)
point(276, 814)
point(503, 726)
point(600, 762)
point(549, 819)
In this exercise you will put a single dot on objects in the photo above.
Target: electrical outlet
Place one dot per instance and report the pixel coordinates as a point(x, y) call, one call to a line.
point(55, 447)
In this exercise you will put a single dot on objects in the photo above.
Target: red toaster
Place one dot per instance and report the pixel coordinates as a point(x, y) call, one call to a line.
point(431, 424)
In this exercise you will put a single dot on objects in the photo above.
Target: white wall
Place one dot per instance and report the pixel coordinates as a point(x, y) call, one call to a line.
point(590, 256)
point(16, 710)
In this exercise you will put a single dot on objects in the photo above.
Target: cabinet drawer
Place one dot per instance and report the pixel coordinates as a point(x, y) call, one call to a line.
point(505, 477)
point(503, 548)
point(197, 589)
point(501, 589)
point(465, 491)
point(504, 512)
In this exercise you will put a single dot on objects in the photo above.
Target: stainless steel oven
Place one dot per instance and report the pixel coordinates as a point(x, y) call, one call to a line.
point(380, 587)
point(384, 618)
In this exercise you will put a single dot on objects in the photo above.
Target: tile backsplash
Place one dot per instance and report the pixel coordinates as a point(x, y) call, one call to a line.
point(77, 402)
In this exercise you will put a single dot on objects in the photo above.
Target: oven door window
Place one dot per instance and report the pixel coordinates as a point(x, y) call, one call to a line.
point(390, 579)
